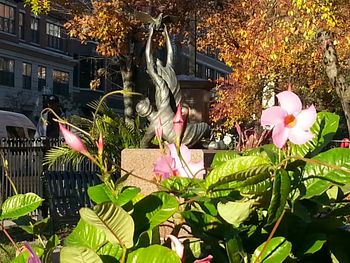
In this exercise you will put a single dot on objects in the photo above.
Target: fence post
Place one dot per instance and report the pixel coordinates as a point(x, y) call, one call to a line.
point(45, 205)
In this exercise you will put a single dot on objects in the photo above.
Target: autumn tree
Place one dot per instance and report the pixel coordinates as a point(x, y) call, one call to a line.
point(274, 41)
point(117, 28)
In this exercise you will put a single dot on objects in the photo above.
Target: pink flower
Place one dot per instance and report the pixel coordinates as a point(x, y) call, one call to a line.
point(344, 143)
point(33, 258)
point(289, 120)
point(178, 121)
point(178, 247)
point(100, 144)
point(172, 165)
point(204, 260)
point(73, 141)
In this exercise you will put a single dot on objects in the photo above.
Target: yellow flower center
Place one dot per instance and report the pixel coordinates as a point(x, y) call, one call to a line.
point(290, 121)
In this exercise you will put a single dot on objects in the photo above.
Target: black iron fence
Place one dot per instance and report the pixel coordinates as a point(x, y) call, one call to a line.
point(22, 161)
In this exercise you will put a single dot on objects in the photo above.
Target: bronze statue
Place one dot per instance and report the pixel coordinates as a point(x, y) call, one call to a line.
point(167, 97)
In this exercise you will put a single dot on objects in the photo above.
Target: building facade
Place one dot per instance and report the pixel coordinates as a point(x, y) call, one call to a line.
point(37, 57)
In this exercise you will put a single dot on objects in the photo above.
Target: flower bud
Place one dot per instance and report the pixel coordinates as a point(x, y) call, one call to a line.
point(73, 141)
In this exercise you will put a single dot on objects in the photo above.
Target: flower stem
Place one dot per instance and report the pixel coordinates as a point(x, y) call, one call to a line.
point(257, 260)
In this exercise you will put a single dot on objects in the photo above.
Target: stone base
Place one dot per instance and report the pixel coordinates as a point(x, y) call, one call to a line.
point(140, 162)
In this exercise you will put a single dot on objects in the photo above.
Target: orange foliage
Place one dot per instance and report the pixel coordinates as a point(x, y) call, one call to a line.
point(270, 41)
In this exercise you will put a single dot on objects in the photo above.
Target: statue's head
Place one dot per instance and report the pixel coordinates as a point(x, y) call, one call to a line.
point(144, 108)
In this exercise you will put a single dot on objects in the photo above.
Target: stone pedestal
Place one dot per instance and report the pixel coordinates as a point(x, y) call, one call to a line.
point(140, 162)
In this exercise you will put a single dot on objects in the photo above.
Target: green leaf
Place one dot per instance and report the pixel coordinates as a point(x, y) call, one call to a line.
point(23, 257)
point(318, 178)
point(245, 178)
point(280, 192)
point(235, 213)
point(235, 251)
point(324, 129)
point(126, 195)
point(267, 151)
point(110, 253)
point(153, 210)
point(20, 205)
point(153, 254)
point(277, 250)
point(233, 166)
point(51, 245)
point(78, 255)
point(311, 243)
point(97, 193)
point(223, 156)
point(34, 229)
point(86, 235)
point(113, 220)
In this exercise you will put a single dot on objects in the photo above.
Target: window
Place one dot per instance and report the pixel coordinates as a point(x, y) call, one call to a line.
point(21, 25)
point(209, 73)
point(54, 36)
point(27, 75)
point(60, 82)
point(41, 78)
point(15, 132)
point(199, 70)
point(7, 18)
point(34, 27)
point(7, 75)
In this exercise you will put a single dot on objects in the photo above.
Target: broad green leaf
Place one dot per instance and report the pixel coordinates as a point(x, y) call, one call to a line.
point(113, 220)
point(110, 253)
point(97, 193)
point(34, 229)
point(234, 166)
point(267, 151)
point(324, 129)
point(280, 192)
point(318, 178)
point(277, 250)
point(78, 255)
point(153, 254)
point(86, 235)
point(20, 205)
point(311, 243)
point(184, 186)
point(223, 156)
point(195, 247)
point(126, 195)
point(235, 213)
point(153, 210)
point(245, 178)
point(234, 250)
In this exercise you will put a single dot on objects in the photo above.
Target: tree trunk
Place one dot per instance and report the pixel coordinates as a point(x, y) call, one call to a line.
point(336, 78)
point(127, 71)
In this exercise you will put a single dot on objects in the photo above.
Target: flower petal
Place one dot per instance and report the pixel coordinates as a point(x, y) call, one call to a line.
point(204, 260)
point(176, 246)
point(299, 136)
point(306, 118)
point(164, 166)
point(273, 116)
point(185, 153)
point(290, 102)
point(280, 135)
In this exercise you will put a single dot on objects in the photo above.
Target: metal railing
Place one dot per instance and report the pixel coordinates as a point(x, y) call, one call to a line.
point(25, 165)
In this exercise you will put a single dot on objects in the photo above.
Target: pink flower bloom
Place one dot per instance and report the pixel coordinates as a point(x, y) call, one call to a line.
point(171, 164)
point(73, 140)
point(204, 260)
point(165, 167)
point(177, 246)
point(289, 120)
point(33, 258)
point(159, 130)
point(344, 143)
point(100, 144)
point(178, 121)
